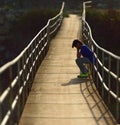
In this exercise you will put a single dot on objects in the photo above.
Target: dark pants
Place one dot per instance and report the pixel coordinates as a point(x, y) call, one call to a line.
point(81, 64)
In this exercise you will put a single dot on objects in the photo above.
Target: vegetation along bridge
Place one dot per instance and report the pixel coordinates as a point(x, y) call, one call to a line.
point(39, 87)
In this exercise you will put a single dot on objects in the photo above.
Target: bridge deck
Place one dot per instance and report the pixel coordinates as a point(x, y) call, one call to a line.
point(57, 96)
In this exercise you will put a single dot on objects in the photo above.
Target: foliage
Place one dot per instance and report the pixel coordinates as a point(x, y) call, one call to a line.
point(105, 28)
point(33, 21)
point(23, 30)
point(30, 24)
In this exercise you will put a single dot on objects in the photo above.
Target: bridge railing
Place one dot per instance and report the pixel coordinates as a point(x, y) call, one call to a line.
point(106, 71)
point(16, 77)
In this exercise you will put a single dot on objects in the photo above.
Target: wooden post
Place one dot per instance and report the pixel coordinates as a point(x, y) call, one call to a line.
point(118, 92)
point(11, 118)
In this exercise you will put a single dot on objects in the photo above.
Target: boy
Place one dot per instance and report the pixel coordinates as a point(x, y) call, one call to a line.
point(84, 56)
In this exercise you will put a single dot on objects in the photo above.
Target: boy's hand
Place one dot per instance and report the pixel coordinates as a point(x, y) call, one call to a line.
point(78, 54)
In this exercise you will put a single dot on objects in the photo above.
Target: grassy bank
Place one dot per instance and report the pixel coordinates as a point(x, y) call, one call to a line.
point(105, 28)
point(22, 32)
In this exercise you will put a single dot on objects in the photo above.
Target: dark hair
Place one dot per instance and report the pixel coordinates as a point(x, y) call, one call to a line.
point(75, 42)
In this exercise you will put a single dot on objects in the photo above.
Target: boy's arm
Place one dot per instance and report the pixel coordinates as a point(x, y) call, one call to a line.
point(78, 54)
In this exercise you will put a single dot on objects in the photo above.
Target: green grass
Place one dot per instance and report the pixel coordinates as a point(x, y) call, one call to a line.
point(23, 30)
point(105, 28)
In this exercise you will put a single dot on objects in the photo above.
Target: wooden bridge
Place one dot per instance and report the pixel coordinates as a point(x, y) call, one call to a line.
point(48, 92)
point(58, 97)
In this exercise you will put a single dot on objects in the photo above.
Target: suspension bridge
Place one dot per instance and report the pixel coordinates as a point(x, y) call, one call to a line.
point(40, 87)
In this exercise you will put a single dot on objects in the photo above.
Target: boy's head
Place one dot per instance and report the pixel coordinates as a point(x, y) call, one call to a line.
point(77, 43)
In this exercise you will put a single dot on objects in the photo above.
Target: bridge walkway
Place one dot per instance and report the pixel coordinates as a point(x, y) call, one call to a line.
point(58, 97)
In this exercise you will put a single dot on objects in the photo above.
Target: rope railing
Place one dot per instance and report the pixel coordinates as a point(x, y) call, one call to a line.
point(106, 71)
point(16, 77)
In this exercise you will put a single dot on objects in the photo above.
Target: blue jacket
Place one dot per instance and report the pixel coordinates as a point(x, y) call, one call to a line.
point(87, 52)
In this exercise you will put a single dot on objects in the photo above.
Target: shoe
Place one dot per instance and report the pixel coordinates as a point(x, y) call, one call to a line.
point(83, 75)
